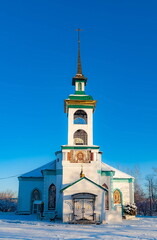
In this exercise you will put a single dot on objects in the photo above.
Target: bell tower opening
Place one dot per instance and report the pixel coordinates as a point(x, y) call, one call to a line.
point(80, 117)
point(80, 137)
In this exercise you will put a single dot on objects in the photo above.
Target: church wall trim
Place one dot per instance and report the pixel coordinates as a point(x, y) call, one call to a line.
point(129, 180)
point(53, 172)
point(79, 106)
point(106, 173)
point(86, 97)
point(31, 178)
point(80, 92)
point(79, 147)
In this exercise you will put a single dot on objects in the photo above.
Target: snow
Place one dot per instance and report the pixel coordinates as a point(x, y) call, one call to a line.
point(38, 171)
point(118, 173)
point(28, 227)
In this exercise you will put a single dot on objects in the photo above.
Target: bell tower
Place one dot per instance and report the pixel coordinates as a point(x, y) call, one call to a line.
point(80, 150)
point(80, 157)
point(79, 108)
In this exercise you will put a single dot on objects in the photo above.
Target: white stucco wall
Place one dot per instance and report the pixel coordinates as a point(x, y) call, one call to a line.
point(26, 187)
point(71, 172)
point(126, 189)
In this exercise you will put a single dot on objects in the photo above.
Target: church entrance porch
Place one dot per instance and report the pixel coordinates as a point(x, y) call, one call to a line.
point(83, 207)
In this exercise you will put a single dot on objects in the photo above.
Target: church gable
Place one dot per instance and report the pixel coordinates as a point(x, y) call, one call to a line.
point(82, 183)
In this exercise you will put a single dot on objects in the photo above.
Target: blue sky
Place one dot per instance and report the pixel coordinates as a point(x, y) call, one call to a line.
point(38, 47)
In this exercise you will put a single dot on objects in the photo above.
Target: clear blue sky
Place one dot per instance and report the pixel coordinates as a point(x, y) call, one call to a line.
point(38, 53)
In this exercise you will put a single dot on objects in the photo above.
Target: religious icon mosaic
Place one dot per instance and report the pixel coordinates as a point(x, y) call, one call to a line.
point(81, 156)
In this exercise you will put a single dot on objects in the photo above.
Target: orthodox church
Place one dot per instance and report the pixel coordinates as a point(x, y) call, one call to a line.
point(77, 186)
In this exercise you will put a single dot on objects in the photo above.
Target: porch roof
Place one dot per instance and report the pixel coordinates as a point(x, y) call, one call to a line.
point(84, 178)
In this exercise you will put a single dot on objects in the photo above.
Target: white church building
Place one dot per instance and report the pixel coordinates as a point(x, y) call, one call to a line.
point(77, 186)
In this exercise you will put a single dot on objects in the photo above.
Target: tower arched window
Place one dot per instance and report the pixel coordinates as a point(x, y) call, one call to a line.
point(80, 137)
point(80, 117)
point(52, 197)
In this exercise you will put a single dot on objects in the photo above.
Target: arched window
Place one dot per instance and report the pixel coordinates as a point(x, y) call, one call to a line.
point(79, 86)
point(80, 137)
point(52, 197)
point(117, 197)
point(80, 117)
point(35, 195)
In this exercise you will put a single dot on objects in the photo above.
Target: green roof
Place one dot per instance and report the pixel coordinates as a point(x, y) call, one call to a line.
point(81, 180)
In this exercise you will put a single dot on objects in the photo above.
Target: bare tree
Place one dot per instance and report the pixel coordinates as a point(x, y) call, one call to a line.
point(7, 194)
point(7, 201)
point(151, 184)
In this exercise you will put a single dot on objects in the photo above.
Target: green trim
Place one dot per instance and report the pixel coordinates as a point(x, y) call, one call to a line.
point(52, 172)
point(30, 178)
point(75, 97)
point(82, 179)
point(106, 173)
point(80, 92)
point(78, 147)
point(79, 106)
point(129, 180)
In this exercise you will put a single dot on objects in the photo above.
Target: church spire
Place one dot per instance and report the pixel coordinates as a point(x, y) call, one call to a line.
point(79, 74)
point(79, 67)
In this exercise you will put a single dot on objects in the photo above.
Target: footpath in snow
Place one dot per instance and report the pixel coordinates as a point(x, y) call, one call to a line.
point(13, 227)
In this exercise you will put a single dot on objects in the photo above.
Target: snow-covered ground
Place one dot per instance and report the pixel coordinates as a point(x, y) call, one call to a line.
point(28, 227)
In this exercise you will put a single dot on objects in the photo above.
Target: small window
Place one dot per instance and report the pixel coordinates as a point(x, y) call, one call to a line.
point(80, 117)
